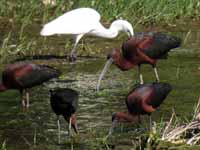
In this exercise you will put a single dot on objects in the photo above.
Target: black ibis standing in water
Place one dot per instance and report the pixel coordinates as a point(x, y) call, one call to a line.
point(23, 76)
point(65, 102)
point(140, 49)
point(143, 99)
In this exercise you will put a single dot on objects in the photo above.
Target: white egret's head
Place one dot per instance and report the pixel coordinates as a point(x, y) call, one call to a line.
point(124, 26)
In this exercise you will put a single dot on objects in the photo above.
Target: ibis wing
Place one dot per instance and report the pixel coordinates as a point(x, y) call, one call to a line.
point(159, 44)
point(64, 101)
point(130, 48)
point(154, 45)
point(35, 75)
point(138, 98)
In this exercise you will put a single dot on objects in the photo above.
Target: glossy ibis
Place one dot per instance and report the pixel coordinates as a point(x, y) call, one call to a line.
point(142, 48)
point(143, 99)
point(65, 102)
point(23, 76)
point(84, 21)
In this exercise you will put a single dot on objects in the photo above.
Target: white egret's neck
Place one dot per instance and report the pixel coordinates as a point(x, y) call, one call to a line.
point(101, 31)
point(116, 27)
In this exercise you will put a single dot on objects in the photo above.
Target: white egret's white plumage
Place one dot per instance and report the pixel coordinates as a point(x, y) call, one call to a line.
point(84, 21)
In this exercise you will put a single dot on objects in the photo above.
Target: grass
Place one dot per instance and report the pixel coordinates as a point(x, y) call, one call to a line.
point(19, 18)
point(175, 133)
point(145, 11)
point(20, 37)
point(3, 146)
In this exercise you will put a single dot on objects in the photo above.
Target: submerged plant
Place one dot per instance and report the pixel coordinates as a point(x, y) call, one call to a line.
point(3, 146)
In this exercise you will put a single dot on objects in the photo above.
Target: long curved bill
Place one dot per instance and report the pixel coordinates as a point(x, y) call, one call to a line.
point(107, 65)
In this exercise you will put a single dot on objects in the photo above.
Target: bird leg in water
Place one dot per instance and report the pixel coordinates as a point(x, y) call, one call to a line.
point(70, 126)
point(58, 124)
point(150, 123)
point(156, 73)
point(140, 75)
point(27, 98)
point(23, 98)
point(73, 52)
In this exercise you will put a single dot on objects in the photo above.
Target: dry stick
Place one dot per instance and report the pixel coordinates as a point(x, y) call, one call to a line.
point(26, 141)
point(171, 133)
point(196, 109)
point(194, 138)
point(178, 73)
point(35, 137)
point(168, 125)
point(197, 139)
point(179, 132)
point(186, 37)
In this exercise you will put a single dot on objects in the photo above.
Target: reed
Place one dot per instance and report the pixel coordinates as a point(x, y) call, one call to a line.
point(22, 15)
point(145, 11)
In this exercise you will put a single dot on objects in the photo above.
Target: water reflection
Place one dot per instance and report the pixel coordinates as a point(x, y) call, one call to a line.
point(38, 125)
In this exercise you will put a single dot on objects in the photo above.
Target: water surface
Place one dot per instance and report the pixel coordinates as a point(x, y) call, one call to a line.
point(36, 128)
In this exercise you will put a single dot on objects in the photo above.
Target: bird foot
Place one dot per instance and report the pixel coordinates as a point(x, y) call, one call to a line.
point(72, 58)
point(23, 103)
point(27, 105)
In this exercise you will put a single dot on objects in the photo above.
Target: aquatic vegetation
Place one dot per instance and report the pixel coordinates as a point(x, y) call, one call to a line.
point(3, 146)
point(21, 22)
point(177, 132)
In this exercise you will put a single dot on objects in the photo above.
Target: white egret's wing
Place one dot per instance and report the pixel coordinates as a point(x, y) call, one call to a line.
point(78, 21)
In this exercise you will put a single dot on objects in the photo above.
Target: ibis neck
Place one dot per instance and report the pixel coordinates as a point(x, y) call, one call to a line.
point(123, 64)
point(126, 117)
point(73, 121)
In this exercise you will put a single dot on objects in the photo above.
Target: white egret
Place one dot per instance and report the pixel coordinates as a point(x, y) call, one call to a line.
point(84, 21)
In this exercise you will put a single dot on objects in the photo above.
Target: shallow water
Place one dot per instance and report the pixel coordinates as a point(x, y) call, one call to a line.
point(36, 128)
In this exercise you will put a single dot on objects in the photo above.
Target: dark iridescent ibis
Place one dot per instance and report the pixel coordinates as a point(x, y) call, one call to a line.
point(142, 48)
point(65, 102)
point(23, 76)
point(142, 100)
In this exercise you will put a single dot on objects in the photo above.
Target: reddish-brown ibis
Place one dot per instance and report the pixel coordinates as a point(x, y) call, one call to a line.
point(143, 99)
point(142, 48)
point(23, 76)
point(65, 102)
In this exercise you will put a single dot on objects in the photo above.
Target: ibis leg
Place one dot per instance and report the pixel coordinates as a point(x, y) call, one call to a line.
point(22, 98)
point(27, 98)
point(70, 126)
point(156, 73)
point(140, 75)
point(150, 123)
point(58, 124)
